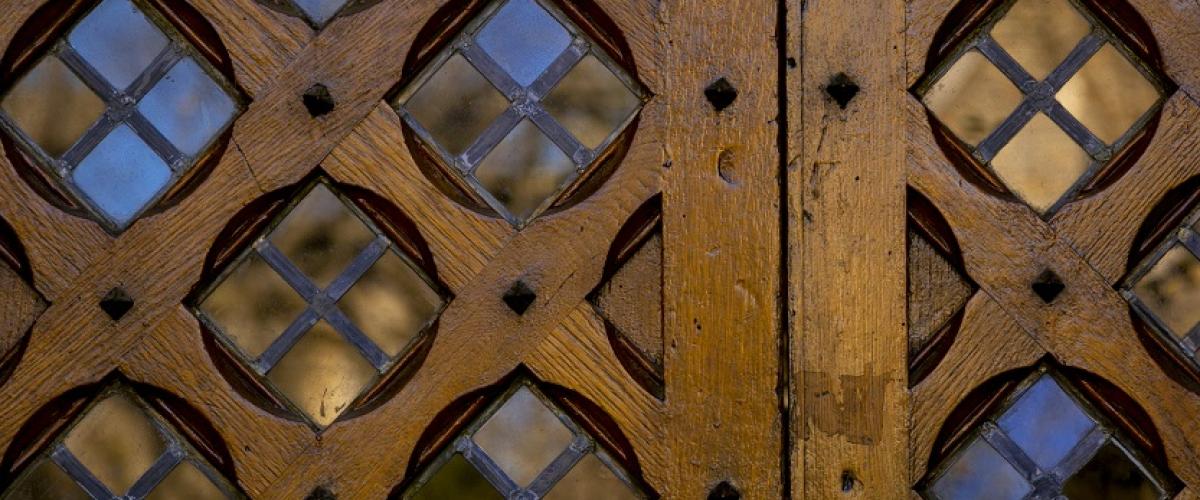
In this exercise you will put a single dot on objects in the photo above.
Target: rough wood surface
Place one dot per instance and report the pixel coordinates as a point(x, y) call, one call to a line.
point(936, 291)
point(632, 299)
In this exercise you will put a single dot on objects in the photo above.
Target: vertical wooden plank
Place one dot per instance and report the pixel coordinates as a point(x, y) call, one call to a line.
point(722, 249)
point(846, 250)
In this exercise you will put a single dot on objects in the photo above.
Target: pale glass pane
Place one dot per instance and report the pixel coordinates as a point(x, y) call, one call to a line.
point(1040, 33)
point(188, 107)
point(321, 236)
point(186, 482)
point(320, 11)
point(972, 98)
point(1046, 423)
point(456, 105)
point(523, 437)
point(524, 170)
point(322, 374)
point(52, 106)
point(1171, 290)
point(591, 102)
point(1108, 94)
point(391, 303)
point(122, 175)
point(253, 305)
point(979, 472)
point(590, 479)
point(117, 40)
point(117, 442)
point(1041, 163)
point(457, 479)
point(523, 39)
point(45, 480)
point(1110, 475)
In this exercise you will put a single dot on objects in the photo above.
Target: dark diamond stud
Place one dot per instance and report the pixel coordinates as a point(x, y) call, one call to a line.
point(724, 491)
point(1047, 286)
point(519, 297)
point(321, 493)
point(842, 89)
point(318, 100)
point(116, 303)
point(721, 94)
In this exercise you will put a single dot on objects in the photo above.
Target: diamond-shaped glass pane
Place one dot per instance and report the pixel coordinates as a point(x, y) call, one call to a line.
point(391, 303)
point(972, 98)
point(320, 11)
point(253, 306)
point(322, 374)
point(1046, 423)
point(188, 107)
point(523, 39)
point(525, 170)
point(980, 472)
point(590, 479)
point(52, 106)
point(1171, 290)
point(1041, 163)
point(1040, 33)
point(1110, 475)
point(1108, 94)
point(185, 482)
point(122, 175)
point(591, 102)
point(321, 235)
point(45, 481)
point(118, 41)
point(457, 479)
point(456, 105)
point(523, 437)
point(117, 442)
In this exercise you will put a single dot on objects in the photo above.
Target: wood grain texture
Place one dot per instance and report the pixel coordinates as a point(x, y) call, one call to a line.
point(936, 291)
point(847, 239)
point(632, 299)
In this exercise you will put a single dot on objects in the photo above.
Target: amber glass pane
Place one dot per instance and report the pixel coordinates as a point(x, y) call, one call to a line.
point(1040, 33)
point(322, 374)
point(45, 481)
point(1041, 163)
point(590, 479)
point(972, 98)
point(590, 102)
point(116, 441)
point(321, 236)
point(1110, 475)
point(52, 106)
point(523, 437)
point(457, 479)
point(525, 170)
point(186, 482)
point(1171, 290)
point(391, 303)
point(1108, 94)
point(456, 105)
point(253, 305)
point(980, 472)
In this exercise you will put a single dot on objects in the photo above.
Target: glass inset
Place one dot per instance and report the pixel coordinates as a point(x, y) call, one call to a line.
point(523, 437)
point(322, 374)
point(52, 106)
point(591, 102)
point(188, 107)
point(457, 478)
point(320, 11)
point(391, 303)
point(118, 41)
point(186, 482)
point(523, 39)
point(1040, 34)
point(1046, 423)
point(456, 105)
point(117, 442)
point(122, 175)
point(1110, 475)
point(1171, 290)
point(321, 236)
point(980, 472)
point(1108, 94)
point(1041, 163)
point(590, 479)
point(45, 480)
point(972, 98)
point(525, 170)
point(253, 306)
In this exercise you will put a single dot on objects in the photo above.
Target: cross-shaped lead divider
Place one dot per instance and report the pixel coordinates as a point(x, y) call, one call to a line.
point(1006, 246)
point(276, 143)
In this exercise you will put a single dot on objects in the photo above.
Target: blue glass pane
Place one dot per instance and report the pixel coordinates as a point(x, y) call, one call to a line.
point(320, 11)
point(188, 107)
point(121, 175)
point(1046, 423)
point(117, 40)
point(980, 473)
point(524, 39)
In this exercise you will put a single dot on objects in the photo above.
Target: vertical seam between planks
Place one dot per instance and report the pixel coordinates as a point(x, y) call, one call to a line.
point(784, 387)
